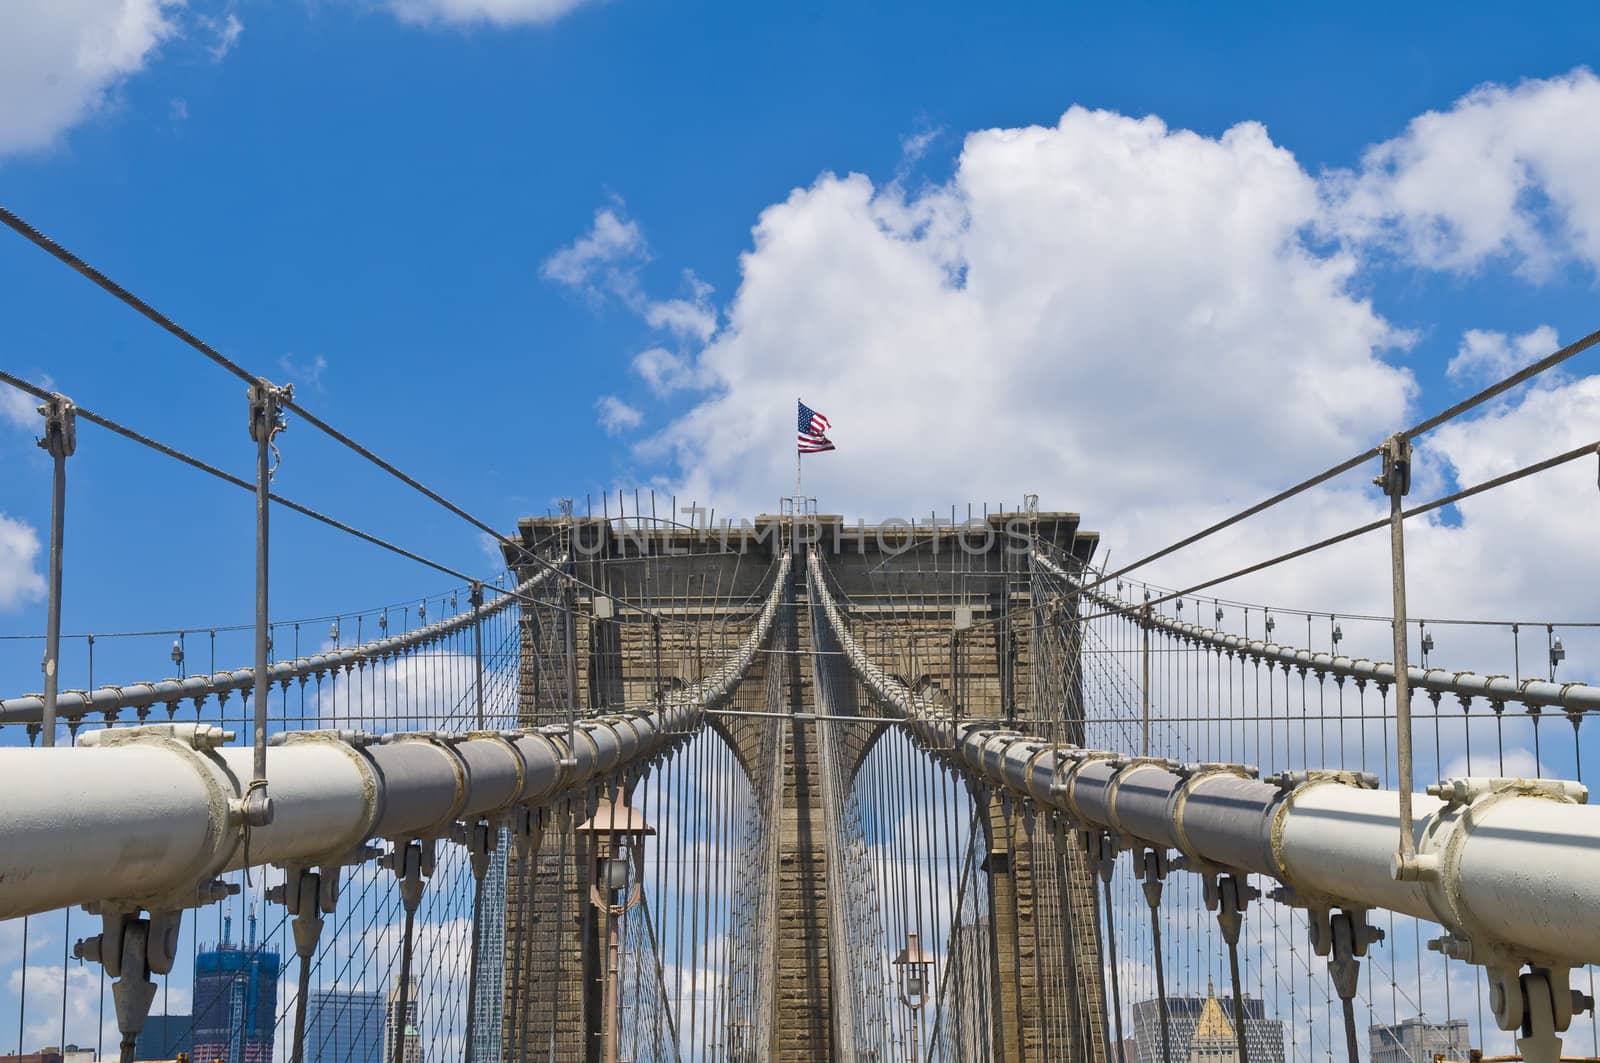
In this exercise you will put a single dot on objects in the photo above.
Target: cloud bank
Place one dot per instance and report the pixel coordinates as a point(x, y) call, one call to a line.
point(1155, 328)
point(62, 61)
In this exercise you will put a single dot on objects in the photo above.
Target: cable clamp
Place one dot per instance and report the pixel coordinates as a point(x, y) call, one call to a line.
point(1395, 480)
point(1469, 790)
point(60, 439)
point(1229, 895)
point(267, 417)
point(131, 948)
point(1293, 780)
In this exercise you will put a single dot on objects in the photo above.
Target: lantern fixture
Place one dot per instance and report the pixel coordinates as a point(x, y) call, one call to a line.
point(616, 833)
point(913, 967)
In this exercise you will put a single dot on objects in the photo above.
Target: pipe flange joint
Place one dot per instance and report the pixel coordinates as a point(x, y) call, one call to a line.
point(1439, 856)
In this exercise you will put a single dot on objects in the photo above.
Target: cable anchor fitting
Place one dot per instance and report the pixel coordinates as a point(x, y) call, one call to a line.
point(1395, 480)
point(131, 948)
point(1343, 937)
point(60, 439)
point(1539, 1005)
point(1151, 867)
point(267, 417)
point(308, 896)
point(412, 863)
point(1229, 896)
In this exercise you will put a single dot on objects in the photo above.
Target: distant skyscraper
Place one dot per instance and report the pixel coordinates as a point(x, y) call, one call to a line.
point(1263, 1037)
point(393, 1026)
point(235, 1002)
point(489, 1003)
point(1417, 1039)
point(344, 1026)
point(967, 1026)
point(164, 1036)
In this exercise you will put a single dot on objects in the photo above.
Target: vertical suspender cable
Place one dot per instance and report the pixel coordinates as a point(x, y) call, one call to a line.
point(1116, 980)
point(60, 440)
point(1238, 998)
point(1152, 892)
point(475, 599)
point(266, 421)
point(404, 989)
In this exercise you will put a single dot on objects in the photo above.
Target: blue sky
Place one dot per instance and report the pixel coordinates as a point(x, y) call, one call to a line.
point(367, 200)
point(472, 232)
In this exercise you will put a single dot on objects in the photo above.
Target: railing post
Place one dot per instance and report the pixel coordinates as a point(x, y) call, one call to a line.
point(475, 599)
point(1144, 681)
point(1396, 482)
point(60, 439)
point(569, 601)
point(266, 421)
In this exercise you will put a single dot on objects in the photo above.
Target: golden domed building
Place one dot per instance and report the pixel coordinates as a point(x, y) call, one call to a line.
point(1214, 1040)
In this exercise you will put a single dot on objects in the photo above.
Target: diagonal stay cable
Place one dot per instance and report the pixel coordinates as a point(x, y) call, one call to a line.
point(15, 222)
point(178, 455)
point(1471, 402)
point(526, 554)
point(1333, 540)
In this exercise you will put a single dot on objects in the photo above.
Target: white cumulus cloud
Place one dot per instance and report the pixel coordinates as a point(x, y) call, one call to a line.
point(62, 60)
point(20, 581)
point(1139, 324)
point(1107, 310)
point(693, 318)
point(615, 415)
point(606, 257)
point(1507, 172)
point(663, 371)
point(1487, 356)
point(21, 410)
point(605, 263)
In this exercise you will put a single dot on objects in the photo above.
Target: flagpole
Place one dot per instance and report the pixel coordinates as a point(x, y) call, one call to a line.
point(797, 475)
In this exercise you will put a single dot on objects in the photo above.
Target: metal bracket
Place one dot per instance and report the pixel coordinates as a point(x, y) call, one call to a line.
point(411, 862)
point(1293, 780)
point(1190, 769)
point(527, 827)
point(1396, 476)
point(60, 439)
point(1229, 895)
point(267, 418)
point(131, 948)
point(1102, 850)
point(1466, 791)
point(1538, 1004)
point(1343, 937)
point(480, 838)
point(307, 895)
point(1151, 867)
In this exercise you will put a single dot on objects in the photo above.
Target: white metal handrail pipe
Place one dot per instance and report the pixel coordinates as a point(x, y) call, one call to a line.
point(1496, 689)
point(148, 816)
point(110, 700)
point(1510, 865)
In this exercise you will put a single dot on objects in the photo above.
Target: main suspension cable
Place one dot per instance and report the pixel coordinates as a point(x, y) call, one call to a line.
point(1469, 403)
point(1333, 540)
point(227, 477)
point(13, 221)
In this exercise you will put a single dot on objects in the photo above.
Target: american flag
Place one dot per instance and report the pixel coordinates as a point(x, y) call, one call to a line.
point(813, 429)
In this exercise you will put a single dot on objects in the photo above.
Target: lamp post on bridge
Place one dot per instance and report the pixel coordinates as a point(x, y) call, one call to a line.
point(616, 885)
point(913, 965)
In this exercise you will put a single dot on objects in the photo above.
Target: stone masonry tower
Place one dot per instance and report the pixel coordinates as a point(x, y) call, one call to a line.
point(948, 614)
